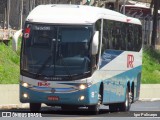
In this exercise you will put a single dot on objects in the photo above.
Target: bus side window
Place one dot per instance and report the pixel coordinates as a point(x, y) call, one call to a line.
point(104, 44)
point(135, 33)
point(118, 36)
point(129, 38)
point(132, 37)
point(110, 34)
point(124, 36)
point(139, 37)
point(104, 37)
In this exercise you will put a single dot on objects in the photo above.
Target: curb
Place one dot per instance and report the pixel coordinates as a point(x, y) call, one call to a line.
point(149, 99)
point(14, 106)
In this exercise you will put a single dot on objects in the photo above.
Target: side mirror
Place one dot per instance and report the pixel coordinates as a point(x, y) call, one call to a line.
point(15, 40)
point(95, 43)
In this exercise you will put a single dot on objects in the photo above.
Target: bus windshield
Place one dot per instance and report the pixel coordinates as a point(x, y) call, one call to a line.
point(53, 51)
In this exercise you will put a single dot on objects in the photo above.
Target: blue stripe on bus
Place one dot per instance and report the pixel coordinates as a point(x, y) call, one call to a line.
point(108, 56)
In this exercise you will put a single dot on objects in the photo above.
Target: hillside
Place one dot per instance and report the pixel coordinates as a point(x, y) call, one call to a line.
point(9, 65)
point(151, 66)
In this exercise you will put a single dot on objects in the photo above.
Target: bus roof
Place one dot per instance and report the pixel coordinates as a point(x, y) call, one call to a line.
point(74, 14)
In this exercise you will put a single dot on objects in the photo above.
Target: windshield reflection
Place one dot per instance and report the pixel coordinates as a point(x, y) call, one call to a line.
point(57, 50)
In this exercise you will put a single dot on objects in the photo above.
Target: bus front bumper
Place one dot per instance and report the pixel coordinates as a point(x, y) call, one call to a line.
point(88, 96)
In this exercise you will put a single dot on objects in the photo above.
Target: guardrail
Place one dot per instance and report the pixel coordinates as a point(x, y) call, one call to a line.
point(5, 34)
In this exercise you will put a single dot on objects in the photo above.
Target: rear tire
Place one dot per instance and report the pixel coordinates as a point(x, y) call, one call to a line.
point(35, 107)
point(132, 93)
point(125, 106)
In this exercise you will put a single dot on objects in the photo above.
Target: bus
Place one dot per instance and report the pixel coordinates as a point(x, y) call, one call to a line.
point(78, 56)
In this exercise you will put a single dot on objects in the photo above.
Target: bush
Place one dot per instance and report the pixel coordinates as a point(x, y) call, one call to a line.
point(9, 65)
point(151, 66)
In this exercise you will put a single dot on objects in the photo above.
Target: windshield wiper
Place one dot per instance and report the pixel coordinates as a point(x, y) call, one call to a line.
point(43, 66)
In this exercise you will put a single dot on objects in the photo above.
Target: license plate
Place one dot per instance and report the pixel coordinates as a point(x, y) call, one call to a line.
point(53, 98)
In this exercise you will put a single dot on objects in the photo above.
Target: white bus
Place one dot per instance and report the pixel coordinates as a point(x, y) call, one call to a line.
point(80, 56)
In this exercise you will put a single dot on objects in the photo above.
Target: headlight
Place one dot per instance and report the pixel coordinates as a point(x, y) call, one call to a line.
point(82, 87)
point(25, 95)
point(25, 84)
point(81, 98)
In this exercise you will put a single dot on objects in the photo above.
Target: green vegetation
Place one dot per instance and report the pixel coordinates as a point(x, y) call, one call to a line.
point(9, 65)
point(151, 66)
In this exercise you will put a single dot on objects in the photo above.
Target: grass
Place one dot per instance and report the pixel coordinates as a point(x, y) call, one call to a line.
point(151, 66)
point(9, 65)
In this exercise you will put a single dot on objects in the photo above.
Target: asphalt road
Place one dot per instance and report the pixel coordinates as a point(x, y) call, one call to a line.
point(139, 110)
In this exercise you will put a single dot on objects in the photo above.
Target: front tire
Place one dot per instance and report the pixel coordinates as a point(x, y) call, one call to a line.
point(35, 107)
point(94, 109)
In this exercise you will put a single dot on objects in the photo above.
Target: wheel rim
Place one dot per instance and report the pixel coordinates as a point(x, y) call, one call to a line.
point(99, 99)
point(99, 102)
point(128, 100)
point(126, 103)
point(130, 97)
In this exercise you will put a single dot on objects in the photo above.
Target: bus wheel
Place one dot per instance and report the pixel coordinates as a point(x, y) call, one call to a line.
point(125, 106)
point(94, 109)
point(132, 93)
point(35, 107)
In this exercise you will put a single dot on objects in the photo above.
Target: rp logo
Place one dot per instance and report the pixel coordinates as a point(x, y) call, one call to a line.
point(130, 60)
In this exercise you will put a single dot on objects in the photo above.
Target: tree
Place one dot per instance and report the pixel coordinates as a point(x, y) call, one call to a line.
point(117, 5)
point(156, 5)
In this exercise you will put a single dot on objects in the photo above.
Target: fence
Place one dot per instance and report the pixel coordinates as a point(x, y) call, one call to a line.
point(147, 28)
point(5, 35)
